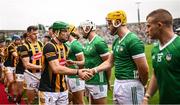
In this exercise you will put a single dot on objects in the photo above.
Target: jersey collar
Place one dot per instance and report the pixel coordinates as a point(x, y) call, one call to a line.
point(123, 37)
point(172, 39)
point(92, 39)
point(73, 41)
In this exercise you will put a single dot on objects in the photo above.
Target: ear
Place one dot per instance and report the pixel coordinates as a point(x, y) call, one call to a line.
point(160, 24)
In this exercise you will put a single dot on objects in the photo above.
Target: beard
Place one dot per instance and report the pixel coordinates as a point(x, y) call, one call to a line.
point(113, 32)
point(62, 40)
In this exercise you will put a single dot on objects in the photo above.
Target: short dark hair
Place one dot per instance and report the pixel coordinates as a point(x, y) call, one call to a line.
point(25, 35)
point(30, 28)
point(48, 37)
point(161, 15)
point(50, 28)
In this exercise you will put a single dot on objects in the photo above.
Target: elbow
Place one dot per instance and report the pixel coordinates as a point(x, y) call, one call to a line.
point(26, 65)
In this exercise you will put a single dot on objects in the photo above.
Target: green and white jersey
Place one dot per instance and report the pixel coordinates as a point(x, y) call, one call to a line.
point(93, 51)
point(166, 64)
point(124, 51)
point(75, 49)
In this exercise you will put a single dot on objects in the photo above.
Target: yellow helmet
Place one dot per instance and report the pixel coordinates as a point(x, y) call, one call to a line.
point(72, 28)
point(117, 15)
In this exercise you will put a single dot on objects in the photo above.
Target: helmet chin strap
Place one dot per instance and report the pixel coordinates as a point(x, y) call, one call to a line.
point(60, 40)
point(115, 32)
point(116, 26)
point(88, 33)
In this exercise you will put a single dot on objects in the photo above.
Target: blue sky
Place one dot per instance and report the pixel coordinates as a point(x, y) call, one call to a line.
point(19, 14)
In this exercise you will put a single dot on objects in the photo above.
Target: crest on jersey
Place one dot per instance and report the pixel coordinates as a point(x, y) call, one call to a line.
point(168, 57)
point(121, 48)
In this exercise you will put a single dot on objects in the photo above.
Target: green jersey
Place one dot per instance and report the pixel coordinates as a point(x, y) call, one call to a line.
point(166, 64)
point(75, 49)
point(93, 51)
point(124, 51)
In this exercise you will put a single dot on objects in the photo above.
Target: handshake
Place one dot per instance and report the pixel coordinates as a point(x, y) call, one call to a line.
point(86, 74)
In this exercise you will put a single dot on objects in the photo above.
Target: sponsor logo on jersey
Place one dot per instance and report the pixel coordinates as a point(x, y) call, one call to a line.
point(62, 62)
point(37, 56)
point(168, 57)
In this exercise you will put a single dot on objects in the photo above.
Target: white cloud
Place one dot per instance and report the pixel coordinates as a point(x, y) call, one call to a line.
point(18, 14)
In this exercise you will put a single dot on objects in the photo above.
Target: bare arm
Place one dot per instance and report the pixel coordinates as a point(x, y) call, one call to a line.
point(108, 71)
point(15, 54)
point(142, 67)
point(58, 69)
point(152, 88)
point(80, 60)
point(29, 65)
point(106, 65)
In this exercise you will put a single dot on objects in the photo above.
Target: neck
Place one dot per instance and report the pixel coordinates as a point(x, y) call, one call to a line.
point(166, 36)
point(33, 41)
point(123, 30)
point(91, 35)
point(57, 41)
point(71, 38)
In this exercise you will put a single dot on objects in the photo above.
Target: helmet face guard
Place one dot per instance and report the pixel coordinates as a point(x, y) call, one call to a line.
point(116, 19)
point(59, 27)
point(115, 16)
point(86, 27)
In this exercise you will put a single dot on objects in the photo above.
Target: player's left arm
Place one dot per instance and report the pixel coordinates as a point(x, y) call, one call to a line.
point(102, 49)
point(142, 68)
point(136, 47)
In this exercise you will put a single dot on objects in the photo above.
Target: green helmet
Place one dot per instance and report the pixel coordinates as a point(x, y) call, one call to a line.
point(59, 25)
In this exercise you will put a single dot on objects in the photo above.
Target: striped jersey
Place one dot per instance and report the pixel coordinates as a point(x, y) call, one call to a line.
point(51, 82)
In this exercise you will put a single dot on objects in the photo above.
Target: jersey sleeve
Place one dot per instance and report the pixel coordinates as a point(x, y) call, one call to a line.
point(49, 52)
point(24, 51)
point(11, 49)
point(101, 48)
point(136, 48)
point(77, 48)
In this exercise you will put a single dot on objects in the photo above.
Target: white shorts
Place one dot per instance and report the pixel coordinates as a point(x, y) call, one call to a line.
point(75, 84)
point(19, 77)
point(97, 91)
point(128, 92)
point(31, 82)
point(10, 70)
point(53, 98)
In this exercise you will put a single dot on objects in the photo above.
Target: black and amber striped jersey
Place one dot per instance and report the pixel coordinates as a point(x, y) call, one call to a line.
point(51, 82)
point(11, 61)
point(34, 52)
point(19, 67)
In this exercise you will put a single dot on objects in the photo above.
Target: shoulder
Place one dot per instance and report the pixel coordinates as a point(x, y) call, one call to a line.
point(49, 47)
point(40, 43)
point(132, 37)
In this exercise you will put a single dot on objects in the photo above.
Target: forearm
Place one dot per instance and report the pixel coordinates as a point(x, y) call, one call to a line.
point(143, 77)
point(65, 70)
point(104, 66)
point(79, 63)
point(32, 66)
point(152, 88)
point(108, 74)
